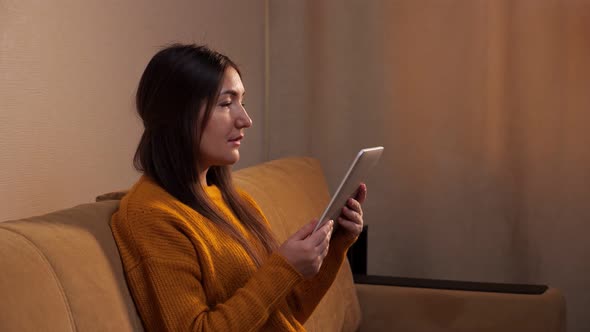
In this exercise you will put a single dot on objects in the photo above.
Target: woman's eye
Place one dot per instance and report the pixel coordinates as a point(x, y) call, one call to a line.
point(225, 103)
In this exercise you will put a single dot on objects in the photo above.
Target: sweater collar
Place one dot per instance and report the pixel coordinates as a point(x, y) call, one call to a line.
point(212, 191)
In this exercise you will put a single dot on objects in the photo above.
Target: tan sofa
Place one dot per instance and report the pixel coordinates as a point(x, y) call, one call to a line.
point(62, 272)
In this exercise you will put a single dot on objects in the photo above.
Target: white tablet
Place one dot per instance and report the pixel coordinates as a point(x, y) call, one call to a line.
point(357, 173)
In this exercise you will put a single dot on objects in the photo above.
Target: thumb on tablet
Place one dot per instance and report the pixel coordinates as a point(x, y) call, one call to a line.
point(361, 193)
point(304, 231)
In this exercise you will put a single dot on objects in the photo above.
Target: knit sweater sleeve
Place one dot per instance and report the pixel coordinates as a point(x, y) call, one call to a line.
point(164, 276)
point(307, 294)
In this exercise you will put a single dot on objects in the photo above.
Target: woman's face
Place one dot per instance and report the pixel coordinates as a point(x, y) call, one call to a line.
point(221, 138)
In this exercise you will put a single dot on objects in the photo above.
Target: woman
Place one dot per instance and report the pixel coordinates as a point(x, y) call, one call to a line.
point(198, 253)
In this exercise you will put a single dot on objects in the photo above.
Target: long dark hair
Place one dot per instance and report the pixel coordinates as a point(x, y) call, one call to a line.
point(176, 84)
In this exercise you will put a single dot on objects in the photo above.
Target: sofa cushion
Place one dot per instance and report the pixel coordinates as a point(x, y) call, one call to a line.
point(62, 272)
point(113, 195)
point(392, 308)
point(32, 296)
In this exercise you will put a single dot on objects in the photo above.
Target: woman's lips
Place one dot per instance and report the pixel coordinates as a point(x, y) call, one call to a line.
point(236, 140)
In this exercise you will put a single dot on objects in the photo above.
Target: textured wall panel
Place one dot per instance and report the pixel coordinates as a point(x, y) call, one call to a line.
point(68, 73)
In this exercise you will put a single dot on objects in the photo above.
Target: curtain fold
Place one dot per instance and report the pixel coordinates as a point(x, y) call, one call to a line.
point(484, 111)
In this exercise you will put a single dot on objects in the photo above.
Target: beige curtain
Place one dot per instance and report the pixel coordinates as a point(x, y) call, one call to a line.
point(484, 110)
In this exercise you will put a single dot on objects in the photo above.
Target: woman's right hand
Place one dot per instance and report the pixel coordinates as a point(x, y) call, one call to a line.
point(306, 252)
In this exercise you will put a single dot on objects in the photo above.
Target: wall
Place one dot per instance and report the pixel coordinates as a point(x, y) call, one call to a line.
point(290, 79)
point(69, 70)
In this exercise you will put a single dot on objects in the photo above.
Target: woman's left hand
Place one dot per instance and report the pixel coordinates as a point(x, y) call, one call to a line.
point(351, 217)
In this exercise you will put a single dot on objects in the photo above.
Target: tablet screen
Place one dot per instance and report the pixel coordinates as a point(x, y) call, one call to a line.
point(357, 173)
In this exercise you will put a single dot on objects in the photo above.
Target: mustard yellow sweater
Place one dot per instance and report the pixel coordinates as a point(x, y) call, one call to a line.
point(185, 274)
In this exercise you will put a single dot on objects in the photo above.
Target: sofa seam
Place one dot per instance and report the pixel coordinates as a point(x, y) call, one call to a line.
point(53, 273)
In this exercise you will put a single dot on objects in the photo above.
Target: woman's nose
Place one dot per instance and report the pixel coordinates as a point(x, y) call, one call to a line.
point(243, 120)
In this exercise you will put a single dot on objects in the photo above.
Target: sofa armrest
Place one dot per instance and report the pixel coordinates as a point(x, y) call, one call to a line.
point(408, 307)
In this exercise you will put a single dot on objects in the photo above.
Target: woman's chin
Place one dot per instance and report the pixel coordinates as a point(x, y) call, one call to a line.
point(225, 159)
point(230, 160)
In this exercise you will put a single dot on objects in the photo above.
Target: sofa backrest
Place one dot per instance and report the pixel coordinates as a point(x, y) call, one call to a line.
point(62, 271)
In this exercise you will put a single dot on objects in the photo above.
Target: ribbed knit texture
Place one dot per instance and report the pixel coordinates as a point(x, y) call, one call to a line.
point(186, 274)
